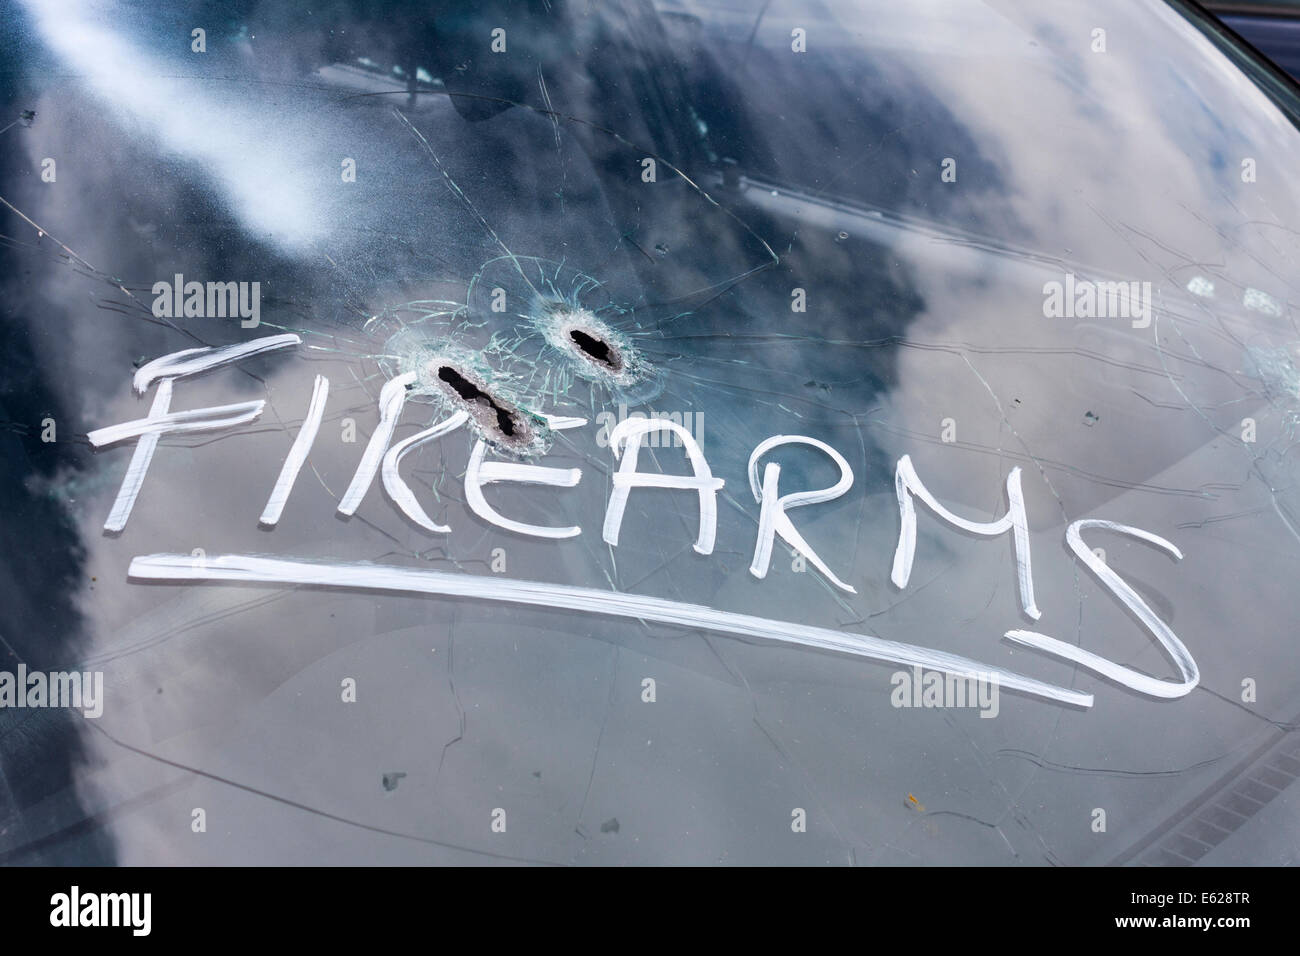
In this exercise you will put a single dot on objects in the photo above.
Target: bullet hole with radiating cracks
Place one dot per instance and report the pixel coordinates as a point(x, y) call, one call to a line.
point(495, 415)
point(597, 350)
point(505, 418)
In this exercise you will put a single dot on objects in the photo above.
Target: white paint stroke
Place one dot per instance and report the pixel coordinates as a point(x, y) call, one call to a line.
point(398, 489)
point(560, 422)
point(297, 453)
point(374, 577)
point(772, 519)
point(907, 483)
point(479, 473)
point(140, 459)
point(1135, 680)
point(194, 420)
point(392, 397)
point(193, 361)
point(629, 432)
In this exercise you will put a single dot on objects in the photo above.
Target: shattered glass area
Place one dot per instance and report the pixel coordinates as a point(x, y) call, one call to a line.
point(660, 211)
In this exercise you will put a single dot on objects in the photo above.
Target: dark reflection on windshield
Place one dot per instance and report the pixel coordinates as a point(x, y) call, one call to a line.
point(973, 240)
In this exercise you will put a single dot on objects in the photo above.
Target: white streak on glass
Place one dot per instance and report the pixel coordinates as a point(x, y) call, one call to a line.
point(193, 361)
point(140, 460)
point(1143, 683)
point(392, 397)
point(372, 577)
point(398, 489)
point(297, 453)
point(907, 484)
point(627, 477)
point(479, 473)
point(194, 420)
point(772, 519)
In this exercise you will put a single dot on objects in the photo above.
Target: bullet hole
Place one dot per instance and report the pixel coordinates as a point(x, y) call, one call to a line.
point(597, 350)
point(473, 394)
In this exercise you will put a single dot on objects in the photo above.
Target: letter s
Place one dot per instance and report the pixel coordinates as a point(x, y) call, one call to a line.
point(1136, 680)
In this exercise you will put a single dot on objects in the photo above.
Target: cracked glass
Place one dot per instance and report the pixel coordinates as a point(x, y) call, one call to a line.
point(674, 432)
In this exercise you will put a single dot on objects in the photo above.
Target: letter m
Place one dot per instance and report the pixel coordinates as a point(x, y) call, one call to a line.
point(223, 300)
point(908, 485)
point(119, 905)
point(1113, 300)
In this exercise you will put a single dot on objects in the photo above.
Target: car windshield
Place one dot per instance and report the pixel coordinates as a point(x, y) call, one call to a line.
point(689, 432)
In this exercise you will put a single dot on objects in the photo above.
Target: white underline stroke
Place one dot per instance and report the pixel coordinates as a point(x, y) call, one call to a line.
point(378, 577)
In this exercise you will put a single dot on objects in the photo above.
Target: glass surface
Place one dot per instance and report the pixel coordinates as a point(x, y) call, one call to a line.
point(980, 245)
